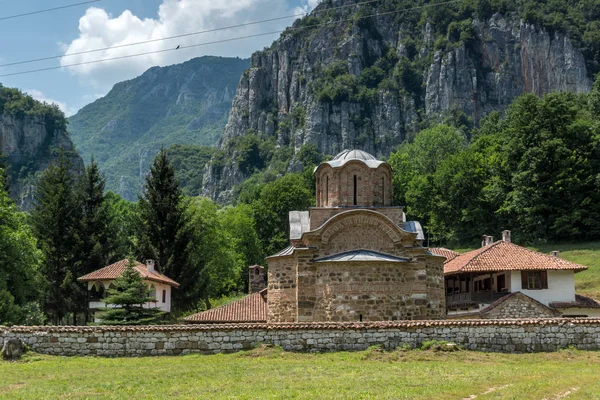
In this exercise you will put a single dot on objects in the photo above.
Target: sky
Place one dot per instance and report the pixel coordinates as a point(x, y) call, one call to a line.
point(108, 23)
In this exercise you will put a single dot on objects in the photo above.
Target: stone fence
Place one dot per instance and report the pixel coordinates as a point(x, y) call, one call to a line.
point(531, 335)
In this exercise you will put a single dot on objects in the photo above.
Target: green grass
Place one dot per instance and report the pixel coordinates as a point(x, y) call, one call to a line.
point(587, 282)
point(271, 373)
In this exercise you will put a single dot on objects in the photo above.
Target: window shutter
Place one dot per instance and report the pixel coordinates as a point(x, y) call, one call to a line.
point(544, 279)
point(524, 279)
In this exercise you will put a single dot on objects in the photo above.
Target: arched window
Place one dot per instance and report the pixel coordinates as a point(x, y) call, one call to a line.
point(327, 190)
point(355, 191)
point(97, 291)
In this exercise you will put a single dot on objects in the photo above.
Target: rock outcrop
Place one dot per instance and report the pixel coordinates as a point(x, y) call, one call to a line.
point(30, 146)
point(505, 58)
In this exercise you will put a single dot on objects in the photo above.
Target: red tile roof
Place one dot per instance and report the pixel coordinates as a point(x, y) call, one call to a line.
point(442, 251)
point(252, 308)
point(115, 270)
point(506, 256)
point(580, 302)
point(339, 326)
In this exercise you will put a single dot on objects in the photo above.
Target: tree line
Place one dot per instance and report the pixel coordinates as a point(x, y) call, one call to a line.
point(535, 170)
point(75, 228)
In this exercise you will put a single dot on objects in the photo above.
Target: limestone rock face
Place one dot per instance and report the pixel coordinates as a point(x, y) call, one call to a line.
point(13, 349)
point(30, 147)
point(506, 58)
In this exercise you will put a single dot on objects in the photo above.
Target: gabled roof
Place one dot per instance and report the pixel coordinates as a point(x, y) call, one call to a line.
point(444, 252)
point(361, 255)
point(506, 256)
point(580, 302)
point(516, 295)
point(252, 308)
point(115, 270)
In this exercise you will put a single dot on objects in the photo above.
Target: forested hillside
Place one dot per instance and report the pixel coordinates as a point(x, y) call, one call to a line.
point(183, 104)
point(32, 135)
point(343, 78)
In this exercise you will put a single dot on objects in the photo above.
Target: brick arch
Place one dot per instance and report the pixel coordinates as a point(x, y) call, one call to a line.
point(363, 218)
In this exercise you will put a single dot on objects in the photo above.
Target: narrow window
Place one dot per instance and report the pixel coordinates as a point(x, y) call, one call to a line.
point(355, 191)
point(360, 316)
point(164, 296)
point(327, 190)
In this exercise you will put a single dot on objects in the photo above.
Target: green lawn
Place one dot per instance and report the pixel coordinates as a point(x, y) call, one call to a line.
point(272, 373)
point(587, 283)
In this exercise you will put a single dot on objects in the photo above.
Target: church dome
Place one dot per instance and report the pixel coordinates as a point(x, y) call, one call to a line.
point(354, 178)
point(350, 155)
point(354, 155)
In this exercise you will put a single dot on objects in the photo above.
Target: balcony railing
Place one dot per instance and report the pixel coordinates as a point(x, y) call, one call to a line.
point(477, 297)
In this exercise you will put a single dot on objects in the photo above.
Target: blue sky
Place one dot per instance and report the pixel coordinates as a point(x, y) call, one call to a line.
point(114, 22)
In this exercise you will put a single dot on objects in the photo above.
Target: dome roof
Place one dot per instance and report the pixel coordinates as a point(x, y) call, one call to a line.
point(354, 155)
point(349, 155)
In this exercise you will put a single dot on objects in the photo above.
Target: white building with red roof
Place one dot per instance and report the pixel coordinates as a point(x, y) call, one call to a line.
point(479, 280)
point(99, 281)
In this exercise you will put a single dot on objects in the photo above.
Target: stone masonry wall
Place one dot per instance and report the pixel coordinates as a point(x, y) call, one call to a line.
point(372, 291)
point(482, 335)
point(519, 306)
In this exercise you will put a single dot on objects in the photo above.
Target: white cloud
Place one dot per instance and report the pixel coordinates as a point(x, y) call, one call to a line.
point(40, 96)
point(98, 29)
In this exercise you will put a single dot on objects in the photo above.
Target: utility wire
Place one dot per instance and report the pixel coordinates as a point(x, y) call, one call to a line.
point(183, 35)
point(228, 40)
point(48, 10)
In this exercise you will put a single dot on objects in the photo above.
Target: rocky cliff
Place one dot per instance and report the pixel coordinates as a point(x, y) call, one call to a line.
point(186, 103)
point(338, 80)
point(30, 144)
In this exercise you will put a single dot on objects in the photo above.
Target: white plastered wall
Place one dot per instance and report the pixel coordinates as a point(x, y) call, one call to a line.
point(561, 287)
point(159, 287)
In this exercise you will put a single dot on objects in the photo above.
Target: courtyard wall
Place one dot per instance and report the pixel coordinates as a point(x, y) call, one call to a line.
point(531, 335)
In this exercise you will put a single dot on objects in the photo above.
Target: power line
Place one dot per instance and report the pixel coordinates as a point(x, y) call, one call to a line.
point(227, 40)
point(48, 10)
point(182, 35)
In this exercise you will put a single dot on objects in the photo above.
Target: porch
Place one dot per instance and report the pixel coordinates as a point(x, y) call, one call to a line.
point(471, 290)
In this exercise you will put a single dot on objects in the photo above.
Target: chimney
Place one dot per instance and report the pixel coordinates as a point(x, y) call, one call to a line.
point(257, 280)
point(150, 266)
point(506, 236)
point(554, 253)
point(487, 240)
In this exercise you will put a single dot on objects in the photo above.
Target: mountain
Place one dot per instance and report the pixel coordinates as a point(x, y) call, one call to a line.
point(180, 104)
point(340, 78)
point(32, 135)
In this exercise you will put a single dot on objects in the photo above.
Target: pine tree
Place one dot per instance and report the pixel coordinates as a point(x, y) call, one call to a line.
point(95, 226)
point(55, 222)
point(166, 235)
point(128, 297)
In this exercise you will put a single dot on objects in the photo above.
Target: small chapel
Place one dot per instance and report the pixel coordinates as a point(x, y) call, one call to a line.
point(351, 258)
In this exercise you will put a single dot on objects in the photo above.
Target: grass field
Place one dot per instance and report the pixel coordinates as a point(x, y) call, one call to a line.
point(587, 282)
point(271, 373)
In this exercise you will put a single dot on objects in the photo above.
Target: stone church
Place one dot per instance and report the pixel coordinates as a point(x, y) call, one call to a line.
point(354, 257)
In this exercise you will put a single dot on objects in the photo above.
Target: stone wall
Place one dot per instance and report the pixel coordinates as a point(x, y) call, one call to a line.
point(370, 291)
point(482, 335)
point(518, 305)
point(282, 299)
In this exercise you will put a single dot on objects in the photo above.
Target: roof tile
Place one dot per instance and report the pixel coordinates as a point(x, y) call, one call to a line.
point(506, 256)
point(115, 270)
point(252, 308)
